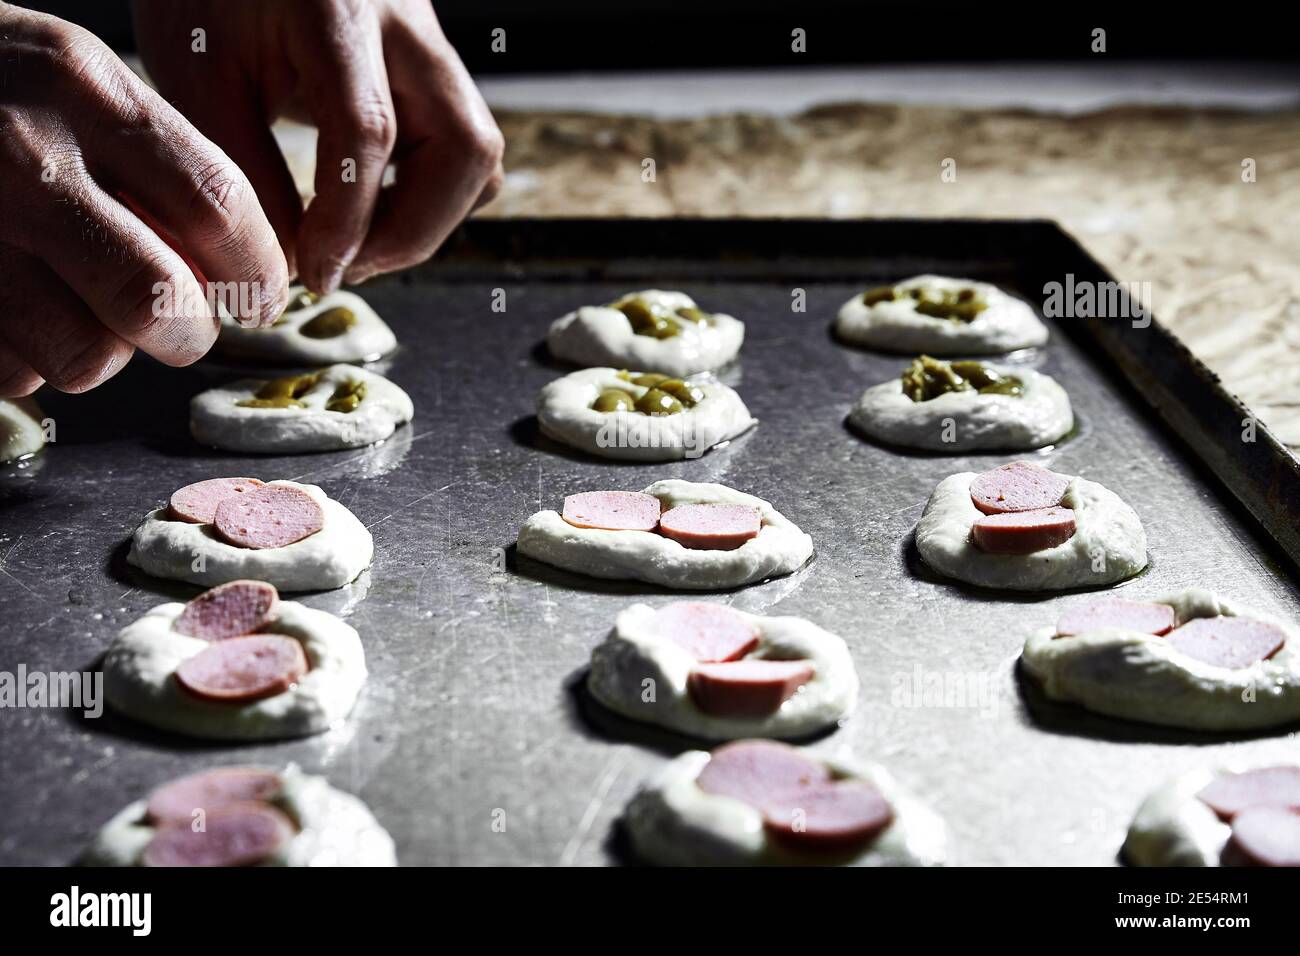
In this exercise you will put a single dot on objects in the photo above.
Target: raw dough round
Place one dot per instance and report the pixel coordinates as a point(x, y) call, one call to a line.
point(283, 343)
point(1039, 416)
point(1006, 324)
point(1143, 677)
point(672, 822)
point(21, 432)
point(335, 829)
point(635, 651)
point(218, 420)
point(1174, 827)
point(779, 548)
point(183, 551)
point(140, 678)
point(1109, 544)
point(564, 413)
point(598, 335)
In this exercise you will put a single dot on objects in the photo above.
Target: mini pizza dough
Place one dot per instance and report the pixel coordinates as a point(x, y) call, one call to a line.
point(779, 548)
point(635, 651)
point(285, 343)
point(1175, 827)
point(1108, 545)
point(334, 829)
point(1143, 677)
point(673, 822)
point(1006, 324)
point(600, 335)
point(1039, 416)
point(565, 413)
point(184, 551)
point(21, 431)
point(140, 678)
point(306, 423)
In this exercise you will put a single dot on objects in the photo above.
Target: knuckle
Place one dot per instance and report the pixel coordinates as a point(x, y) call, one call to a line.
point(492, 188)
point(486, 145)
point(79, 366)
point(151, 304)
point(373, 123)
point(217, 202)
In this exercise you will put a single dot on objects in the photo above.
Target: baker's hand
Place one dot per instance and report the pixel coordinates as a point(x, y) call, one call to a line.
point(380, 82)
point(95, 170)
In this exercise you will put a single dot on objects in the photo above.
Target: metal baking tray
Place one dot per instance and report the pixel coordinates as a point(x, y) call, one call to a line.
point(472, 742)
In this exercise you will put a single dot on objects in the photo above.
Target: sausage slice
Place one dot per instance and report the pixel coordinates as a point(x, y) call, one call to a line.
point(234, 608)
point(1265, 836)
point(197, 503)
point(828, 817)
point(176, 801)
point(238, 835)
point(268, 517)
point(1023, 532)
point(1019, 486)
point(757, 770)
point(612, 510)
point(748, 688)
point(1231, 642)
point(709, 632)
point(241, 669)
point(711, 527)
point(1142, 616)
point(1230, 793)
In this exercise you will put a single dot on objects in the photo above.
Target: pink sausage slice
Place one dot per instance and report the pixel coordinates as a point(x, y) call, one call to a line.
point(1023, 532)
point(197, 503)
point(1230, 793)
point(268, 517)
point(175, 802)
point(1141, 616)
point(612, 510)
point(235, 608)
point(241, 669)
point(239, 835)
point(1231, 642)
point(1265, 836)
point(758, 771)
point(711, 527)
point(749, 688)
point(709, 632)
point(1019, 486)
point(828, 817)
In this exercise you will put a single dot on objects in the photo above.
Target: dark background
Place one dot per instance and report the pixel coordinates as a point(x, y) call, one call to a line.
point(566, 35)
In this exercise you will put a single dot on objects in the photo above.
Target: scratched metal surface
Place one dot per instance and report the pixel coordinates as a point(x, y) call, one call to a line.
point(469, 717)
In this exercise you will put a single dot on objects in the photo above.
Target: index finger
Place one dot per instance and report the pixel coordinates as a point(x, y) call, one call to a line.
point(347, 94)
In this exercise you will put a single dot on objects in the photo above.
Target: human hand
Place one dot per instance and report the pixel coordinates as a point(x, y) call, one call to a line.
point(380, 82)
point(98, 174)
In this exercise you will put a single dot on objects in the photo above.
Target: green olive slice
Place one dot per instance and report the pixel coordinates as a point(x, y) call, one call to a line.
point(689, 395)
point(647, 318)
point(658, 402)
point(329, 324)
point(614, 400)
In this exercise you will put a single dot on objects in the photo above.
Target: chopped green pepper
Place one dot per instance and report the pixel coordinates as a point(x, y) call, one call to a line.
point(346, 397)
point(281, 392)
point(928, 378)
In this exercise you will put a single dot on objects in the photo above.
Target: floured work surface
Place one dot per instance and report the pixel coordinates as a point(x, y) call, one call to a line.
point(469, 718)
